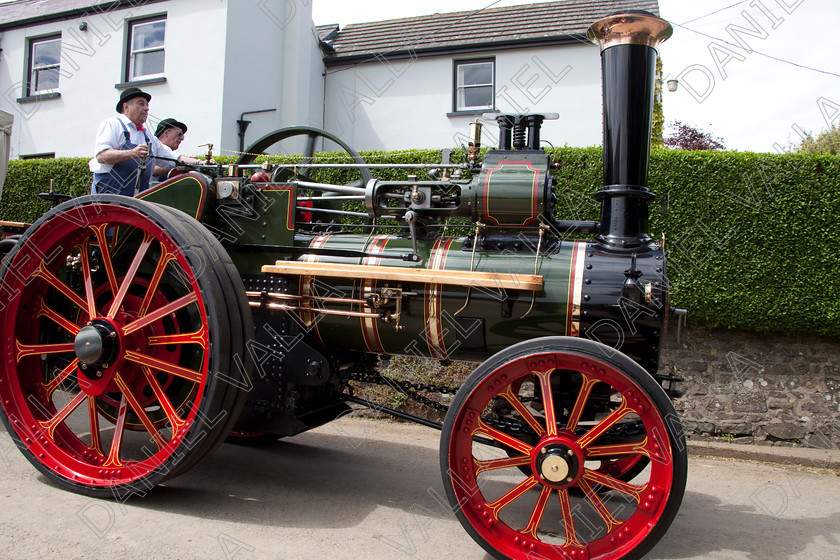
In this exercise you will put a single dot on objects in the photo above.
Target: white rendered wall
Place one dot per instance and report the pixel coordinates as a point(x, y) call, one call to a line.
point(91, 64)
point(222, 58)
point(404, 104)
point(272, 61)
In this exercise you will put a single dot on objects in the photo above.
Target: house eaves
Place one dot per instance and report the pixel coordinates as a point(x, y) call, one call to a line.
point(529, 25)
point(26, 13)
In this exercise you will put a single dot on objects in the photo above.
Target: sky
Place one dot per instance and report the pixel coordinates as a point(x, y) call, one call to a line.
point(752, 102)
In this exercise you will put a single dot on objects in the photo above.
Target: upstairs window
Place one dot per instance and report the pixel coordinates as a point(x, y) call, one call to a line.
point(474, 84)
point(145, 54)
point(44, 65)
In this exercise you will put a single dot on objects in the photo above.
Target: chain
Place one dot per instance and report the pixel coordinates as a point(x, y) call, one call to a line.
point(406, 387)
point(518, 428)
point(510, 426)
point(366, 158)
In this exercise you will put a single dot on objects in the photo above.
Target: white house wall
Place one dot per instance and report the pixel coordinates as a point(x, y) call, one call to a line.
point(91, 64)
point(273, 61)
point(404, 103)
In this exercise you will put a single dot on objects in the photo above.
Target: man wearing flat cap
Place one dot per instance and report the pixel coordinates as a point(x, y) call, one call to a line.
point(125, 152)
point(170, 132)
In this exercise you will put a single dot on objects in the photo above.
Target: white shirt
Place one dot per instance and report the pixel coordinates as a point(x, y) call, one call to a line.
point(165, 165)
point(110, 136)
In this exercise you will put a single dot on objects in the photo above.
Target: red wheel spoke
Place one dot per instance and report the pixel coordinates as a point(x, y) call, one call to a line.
point(493, 464)
point(615, 449)
point(47, 312)
point(523, 411)
point(139, 411)
point(197, 337)
point(158, 314)
point(609, 519)
point(508, 498)
point(64, 289)
point(59, 379)
point(604, 425)
point(568, 520)
point(154, 363)
point(88, 279)
point(95, 438)
point(110, 274)
point(165, 258)
point(129, 276)
point(105, 252)
point(580, 403)
point(174, 420)
point(548, 402)
point(24, 350)
point(536, 517)
point(50, 425)
point(618, 449)
point(594, 477)
point(113, 459)
point(503, 438)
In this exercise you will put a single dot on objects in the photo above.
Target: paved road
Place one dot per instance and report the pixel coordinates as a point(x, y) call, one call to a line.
point(367, 489)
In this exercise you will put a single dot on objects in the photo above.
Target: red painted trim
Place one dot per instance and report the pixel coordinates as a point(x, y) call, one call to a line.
point(534, 190)
point(290, 212)
point(169, 182)
point(433, 304)
point(370, 327)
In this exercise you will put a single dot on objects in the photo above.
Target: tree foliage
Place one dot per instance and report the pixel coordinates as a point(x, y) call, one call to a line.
point(687, 137)
point(827, 142)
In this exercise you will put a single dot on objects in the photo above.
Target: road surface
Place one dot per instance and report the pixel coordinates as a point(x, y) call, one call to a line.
point(357, 489)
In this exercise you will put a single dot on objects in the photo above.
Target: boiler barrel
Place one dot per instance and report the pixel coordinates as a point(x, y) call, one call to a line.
point(446, 321)
point(583, 293)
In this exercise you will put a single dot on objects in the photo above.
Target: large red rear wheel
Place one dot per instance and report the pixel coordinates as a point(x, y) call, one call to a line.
point(577, 496)
point(123, 336)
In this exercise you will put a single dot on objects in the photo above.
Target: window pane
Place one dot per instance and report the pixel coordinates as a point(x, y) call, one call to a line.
point(472, 74)
point(479, 96)
point(148, 35)
point(148, 63)
point(46, 53)
point(46, 79)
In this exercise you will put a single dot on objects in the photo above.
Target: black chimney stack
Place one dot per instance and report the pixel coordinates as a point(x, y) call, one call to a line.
point(628, 42)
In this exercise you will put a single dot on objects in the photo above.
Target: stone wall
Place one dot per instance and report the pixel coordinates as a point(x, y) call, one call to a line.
point(757, 388)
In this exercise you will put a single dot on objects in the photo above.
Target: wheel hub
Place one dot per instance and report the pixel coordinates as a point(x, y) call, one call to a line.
point(89, 345)
point(555, 469)
point(557, 464)
point(97, 346)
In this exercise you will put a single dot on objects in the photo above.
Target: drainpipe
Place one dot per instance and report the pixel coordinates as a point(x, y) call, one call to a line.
point(243, 125)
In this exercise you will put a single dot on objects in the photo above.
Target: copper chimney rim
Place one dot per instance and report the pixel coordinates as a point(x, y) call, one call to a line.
point(629, 28)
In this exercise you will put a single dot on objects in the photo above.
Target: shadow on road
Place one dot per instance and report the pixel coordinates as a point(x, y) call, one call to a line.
point(705, 525)
point(315, 480)
point(322, 480)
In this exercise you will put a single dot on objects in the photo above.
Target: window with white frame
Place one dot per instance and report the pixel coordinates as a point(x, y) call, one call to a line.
point(44, 65)
point(145, 54)
point(474, 84)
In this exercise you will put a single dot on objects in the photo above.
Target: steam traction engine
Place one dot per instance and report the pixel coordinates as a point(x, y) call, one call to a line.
point(137, 333)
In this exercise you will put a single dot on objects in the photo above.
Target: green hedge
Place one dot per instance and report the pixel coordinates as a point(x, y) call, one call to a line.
point(752, 239)
point(25, 179)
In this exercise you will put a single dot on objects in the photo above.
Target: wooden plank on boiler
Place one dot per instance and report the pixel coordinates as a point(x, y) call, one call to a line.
point(506, 280)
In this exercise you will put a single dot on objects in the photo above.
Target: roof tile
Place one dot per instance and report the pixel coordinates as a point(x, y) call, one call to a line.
point(545, 21)
point(23, 12)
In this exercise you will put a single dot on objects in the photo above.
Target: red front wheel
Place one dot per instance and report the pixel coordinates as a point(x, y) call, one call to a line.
point(123, 337)
point(532, 475)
